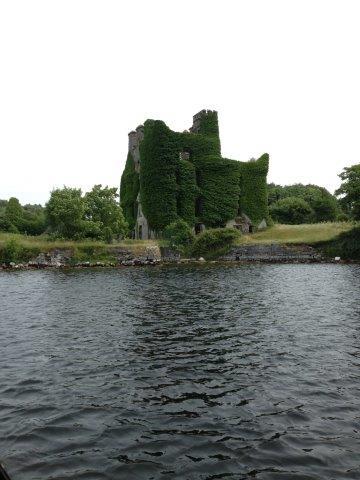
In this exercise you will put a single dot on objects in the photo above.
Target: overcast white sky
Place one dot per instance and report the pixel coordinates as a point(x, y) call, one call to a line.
point(76, 76)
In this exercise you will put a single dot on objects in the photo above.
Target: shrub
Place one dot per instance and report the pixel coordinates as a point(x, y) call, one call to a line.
point(346, 245)
point(179, 235)
point(291, 210)
point(342, 217)
point(107, 235)
point(214, 241)
point(11, 251)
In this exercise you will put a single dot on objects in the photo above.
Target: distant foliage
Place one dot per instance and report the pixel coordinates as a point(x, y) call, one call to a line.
point(324, 206)
point(291, 210)
point(214, 241)
point(349, 191)
point(14, 212)
point(27, 219)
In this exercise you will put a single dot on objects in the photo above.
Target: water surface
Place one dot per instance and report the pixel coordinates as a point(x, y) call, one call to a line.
point(205, 372)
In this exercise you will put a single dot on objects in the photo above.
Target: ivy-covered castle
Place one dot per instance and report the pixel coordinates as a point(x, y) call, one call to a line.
point(170, 175)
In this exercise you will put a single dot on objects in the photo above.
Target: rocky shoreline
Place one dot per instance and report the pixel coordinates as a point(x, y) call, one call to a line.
point(153, 256)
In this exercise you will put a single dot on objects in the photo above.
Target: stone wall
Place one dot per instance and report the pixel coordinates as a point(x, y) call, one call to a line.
point(276, 253)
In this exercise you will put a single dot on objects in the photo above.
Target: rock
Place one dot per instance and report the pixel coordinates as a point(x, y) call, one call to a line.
point(273, 253)
point(262, 225)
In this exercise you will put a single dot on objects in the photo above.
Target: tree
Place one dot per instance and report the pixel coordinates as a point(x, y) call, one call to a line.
point(323, 204)
point(33, 222)
point(349, 191)
point(291, 210)
point(14, 213)
point(103, 209)
point(65, 212)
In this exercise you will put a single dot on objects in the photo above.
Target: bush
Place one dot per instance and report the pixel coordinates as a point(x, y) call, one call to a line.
point(107, 235)
point(11, 252)
point(291, 210)
point(214, 242)
point(342, 217)
point(179, 235)
point(346, 245)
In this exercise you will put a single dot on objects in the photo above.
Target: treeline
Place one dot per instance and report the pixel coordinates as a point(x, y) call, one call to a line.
point(27, 219)
point(97, 214)
point(296, 204)
point(68, 214)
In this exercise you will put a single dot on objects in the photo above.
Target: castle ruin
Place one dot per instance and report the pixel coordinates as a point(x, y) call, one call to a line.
point(170, 175)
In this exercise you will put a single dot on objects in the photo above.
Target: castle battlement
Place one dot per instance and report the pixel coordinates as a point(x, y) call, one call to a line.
point(199, 117)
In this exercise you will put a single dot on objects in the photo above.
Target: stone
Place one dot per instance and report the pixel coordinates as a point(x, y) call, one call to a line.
point(262, 225)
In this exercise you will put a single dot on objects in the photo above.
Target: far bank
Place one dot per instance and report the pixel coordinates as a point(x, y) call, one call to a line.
point(278, 244)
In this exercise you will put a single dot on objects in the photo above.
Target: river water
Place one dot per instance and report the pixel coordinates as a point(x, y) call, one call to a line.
point(206, 372)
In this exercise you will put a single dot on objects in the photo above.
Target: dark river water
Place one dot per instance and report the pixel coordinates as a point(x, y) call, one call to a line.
point(207, 372)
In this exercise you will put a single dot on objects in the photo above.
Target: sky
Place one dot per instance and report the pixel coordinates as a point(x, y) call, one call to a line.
point(76, 76)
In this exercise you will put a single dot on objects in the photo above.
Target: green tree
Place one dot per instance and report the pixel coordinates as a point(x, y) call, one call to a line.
point(103, 209)
point(14, 213)
point(349, 191)
point(65, 213)
point(324, 205)
point(291, 210)
point(34, 222)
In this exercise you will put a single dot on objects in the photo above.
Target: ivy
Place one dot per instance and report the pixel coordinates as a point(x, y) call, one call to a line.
point(253, 189)
point(159, 162)
point(129, 189)
point(219, 184)
point(204, 187)
point(187, 191)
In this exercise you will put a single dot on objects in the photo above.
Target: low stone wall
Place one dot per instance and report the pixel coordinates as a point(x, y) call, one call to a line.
point(60, 258)
point(276, 253)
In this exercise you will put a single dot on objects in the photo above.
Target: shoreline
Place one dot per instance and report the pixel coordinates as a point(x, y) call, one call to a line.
point(183, 262)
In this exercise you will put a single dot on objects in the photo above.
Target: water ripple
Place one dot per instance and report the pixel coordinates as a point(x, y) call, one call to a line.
point(208, 372)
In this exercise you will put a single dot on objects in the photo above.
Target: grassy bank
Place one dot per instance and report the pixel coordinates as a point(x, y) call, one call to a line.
point(28, 247)
point(306, 233)
point(321, 234)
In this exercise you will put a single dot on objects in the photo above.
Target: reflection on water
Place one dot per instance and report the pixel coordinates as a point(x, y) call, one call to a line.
point(201, 372)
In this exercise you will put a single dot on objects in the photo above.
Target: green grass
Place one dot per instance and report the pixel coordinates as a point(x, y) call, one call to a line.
point(306, 233)
point(84, 250)
point(44, 243)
